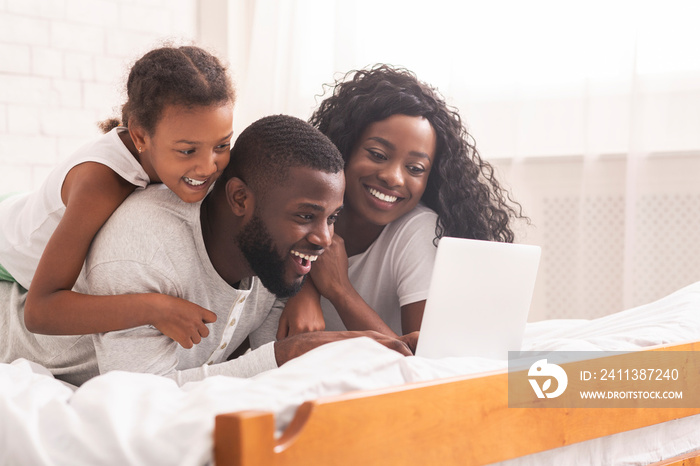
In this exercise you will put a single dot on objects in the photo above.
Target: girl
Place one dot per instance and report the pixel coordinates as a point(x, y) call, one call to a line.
point(176, 129)
point(412, 176)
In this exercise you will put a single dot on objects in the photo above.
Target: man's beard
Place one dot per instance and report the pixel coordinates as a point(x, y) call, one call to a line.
point(256, 244)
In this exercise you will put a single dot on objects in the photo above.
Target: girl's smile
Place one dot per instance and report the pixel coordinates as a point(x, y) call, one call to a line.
point(189, 148)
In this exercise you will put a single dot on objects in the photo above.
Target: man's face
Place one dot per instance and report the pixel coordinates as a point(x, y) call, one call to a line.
point(290, 228)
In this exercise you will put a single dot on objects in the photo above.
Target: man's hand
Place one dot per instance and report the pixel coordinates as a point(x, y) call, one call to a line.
point(295, 346)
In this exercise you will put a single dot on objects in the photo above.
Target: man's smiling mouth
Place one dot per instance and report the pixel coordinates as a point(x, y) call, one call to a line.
point(305, 258)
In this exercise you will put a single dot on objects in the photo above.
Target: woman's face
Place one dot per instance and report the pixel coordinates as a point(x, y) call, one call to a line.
point(388, 169)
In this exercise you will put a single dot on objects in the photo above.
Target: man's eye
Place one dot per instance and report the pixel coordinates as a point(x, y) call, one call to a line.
point(332, 219)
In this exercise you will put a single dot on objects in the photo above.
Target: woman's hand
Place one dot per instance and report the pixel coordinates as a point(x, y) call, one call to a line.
point(330, 276)
point(302, 313)
point(180, 319)
point(330, 271)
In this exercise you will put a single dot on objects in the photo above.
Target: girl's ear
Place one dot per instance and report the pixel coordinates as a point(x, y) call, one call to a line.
point(240, 197)
point(138, 136)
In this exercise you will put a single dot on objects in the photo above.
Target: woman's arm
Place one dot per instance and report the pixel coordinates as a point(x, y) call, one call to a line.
point(302, 312)
point(330, 275)
point(91, 192)
point(412, 316)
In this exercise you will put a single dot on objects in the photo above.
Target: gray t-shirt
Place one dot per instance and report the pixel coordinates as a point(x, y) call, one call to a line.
point(153, 243)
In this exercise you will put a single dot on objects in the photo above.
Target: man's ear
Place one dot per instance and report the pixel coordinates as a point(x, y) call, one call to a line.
point(240, 197)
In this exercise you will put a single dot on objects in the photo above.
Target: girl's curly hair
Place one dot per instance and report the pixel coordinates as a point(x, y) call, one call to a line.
point(462, 188)
point(187, 75)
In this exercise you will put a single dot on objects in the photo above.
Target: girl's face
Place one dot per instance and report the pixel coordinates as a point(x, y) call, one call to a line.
point(388, 169)
point(189, 148)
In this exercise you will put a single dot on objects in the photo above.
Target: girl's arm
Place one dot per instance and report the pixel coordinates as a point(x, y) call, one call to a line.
point(302, 312)
point(330, 275)
point(91, 192)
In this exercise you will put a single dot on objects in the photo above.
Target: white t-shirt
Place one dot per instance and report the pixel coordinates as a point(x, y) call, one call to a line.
point(394, 271)
point(27, 221)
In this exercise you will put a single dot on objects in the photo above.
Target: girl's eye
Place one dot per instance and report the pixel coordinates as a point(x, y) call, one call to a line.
point(187, 151)
point(223, 146)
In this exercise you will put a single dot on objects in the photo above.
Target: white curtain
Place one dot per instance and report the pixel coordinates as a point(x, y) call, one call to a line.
point(590, 110)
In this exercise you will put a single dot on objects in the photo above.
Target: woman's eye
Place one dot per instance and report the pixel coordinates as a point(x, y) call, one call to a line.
point(223, 146)
point(416, 169)
point(187, 151)
point(376, 155)
point(306, 216)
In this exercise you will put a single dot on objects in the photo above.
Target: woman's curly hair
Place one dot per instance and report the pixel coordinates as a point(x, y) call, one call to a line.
point(462, 188)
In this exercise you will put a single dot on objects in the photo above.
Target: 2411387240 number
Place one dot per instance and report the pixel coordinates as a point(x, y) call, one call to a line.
point(639, 374)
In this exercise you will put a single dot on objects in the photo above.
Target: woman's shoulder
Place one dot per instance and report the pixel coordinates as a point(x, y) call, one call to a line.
point(415, 227)
point(418, 217)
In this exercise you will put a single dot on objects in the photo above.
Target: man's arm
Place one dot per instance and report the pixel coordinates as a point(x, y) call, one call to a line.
point(146, 349)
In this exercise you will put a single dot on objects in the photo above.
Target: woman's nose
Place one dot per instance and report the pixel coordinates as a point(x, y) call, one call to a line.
point(392, 175)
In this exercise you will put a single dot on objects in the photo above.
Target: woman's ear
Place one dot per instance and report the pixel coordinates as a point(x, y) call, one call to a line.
point(240, 197)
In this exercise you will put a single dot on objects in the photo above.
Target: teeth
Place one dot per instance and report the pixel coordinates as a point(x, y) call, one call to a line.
point(192, 182)
point(381, 196)
point(304, 256)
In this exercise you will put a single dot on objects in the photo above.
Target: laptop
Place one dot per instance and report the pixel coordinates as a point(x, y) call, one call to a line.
point(478, 300)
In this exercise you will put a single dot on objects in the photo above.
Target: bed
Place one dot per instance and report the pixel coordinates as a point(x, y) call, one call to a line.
point(355, 402)
point(432, 423)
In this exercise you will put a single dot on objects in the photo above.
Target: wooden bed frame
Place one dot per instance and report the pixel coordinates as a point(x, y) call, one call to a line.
point(427, 423)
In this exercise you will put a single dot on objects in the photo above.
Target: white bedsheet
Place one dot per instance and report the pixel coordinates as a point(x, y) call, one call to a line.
point(127, 418)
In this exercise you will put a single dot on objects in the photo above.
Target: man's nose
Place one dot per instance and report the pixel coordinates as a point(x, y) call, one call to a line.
point(322, 235)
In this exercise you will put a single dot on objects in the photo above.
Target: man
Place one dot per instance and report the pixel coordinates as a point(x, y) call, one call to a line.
point(267, 219)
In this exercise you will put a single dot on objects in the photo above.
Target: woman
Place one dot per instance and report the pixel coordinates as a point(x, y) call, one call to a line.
point(413, 175)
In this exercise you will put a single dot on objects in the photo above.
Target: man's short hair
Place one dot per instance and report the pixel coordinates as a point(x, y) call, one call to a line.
point(265, 151)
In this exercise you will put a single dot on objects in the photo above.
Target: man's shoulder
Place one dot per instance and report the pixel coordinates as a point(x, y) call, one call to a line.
point(148, 219)
point(151, 208)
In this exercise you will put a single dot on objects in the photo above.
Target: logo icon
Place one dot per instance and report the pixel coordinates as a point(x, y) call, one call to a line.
point(542, 369)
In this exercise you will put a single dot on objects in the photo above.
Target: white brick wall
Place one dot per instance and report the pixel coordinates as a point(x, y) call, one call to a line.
point(63, 64)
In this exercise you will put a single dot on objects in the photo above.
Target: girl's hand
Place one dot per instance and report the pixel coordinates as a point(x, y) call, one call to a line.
point(330, 271)
point(181, 320)
point(302, 313)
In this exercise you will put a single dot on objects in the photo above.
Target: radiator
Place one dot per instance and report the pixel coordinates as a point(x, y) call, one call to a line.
point(601, 254)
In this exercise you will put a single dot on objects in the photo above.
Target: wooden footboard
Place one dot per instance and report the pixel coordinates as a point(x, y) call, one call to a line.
point(464, 420)
point(688, 459)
